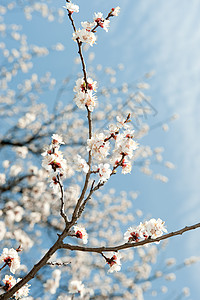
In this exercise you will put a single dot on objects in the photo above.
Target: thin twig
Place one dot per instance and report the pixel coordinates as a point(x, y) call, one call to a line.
point(76, 210)
point(54, 263)
point(62, 206)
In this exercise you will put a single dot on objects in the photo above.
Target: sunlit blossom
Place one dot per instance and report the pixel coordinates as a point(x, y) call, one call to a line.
point(114, 263)
point(11, 258)
point(72, 7)
point(115, 11)
point(81, 233)
point(84, 36)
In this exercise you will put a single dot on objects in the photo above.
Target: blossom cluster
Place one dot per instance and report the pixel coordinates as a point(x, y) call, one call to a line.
point(124, 145)
point(11, 258)
point(85, 93)
point(86, 34)
point(149, 229)
point(54, 162)
point(71, 7)
point(81, 164)
point(10, 281)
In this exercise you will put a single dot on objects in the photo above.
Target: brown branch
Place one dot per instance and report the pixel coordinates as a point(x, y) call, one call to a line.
point(89, 116)
point(62, 209)
point(43, 261)
point(72, 21)
point(129, 245)
point(97, 187)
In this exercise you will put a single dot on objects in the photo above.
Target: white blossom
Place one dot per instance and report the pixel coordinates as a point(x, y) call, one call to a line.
point(81, 233)
point(88, 25)
point(53, 160)
point(9, 281)
point(98, 18)
point(72, 7)
point(23, 291)
point(76, 286)
point(133, 234)
point(83, 99)
point(114, 263)
point(81, 85)
point(104, 172)
point(81, 164)
point(149, 229)
point(126, 166)
point(57, 139)
point(115, 11)
point(125, 143)
point(11, 258)
point(84, 36)
point(99, 148)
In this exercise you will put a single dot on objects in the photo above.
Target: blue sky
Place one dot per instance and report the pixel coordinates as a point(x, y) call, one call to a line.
point(150, 35)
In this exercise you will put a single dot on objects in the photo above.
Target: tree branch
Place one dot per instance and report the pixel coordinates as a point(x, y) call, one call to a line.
point(129, 245)
point(62, 208)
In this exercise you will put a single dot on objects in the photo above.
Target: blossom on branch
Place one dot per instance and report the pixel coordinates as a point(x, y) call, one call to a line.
point(81, 164)
point(104, 172)
point(88, 25)
point(125, 143)
point(54, 162)
point(71, 7)
point(84, 93)
point(81, 233)
point(10, 281)
point(85, 99)
point(149, 229)
point(114, 262)
point(126, 166)
point(11, 258)
point(122, 122)
point(57, 139)
point(81, 85)
point(99, 148)
point(23, 291)
point(100, 21)
point(154, 228)
point(54, 184)
point(133, 234)
point(115, 11)
point(84, 36)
